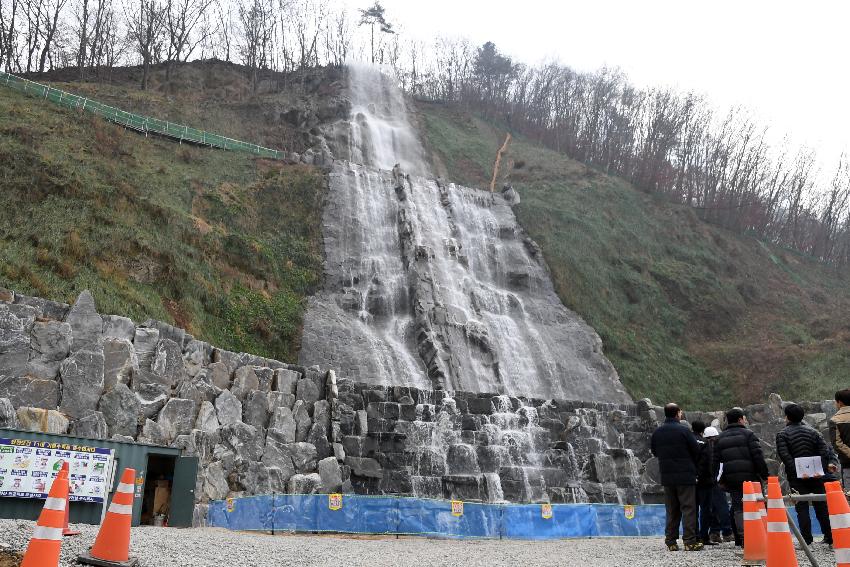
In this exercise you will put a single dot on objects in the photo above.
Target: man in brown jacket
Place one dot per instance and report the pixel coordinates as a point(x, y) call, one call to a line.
point(839, 434)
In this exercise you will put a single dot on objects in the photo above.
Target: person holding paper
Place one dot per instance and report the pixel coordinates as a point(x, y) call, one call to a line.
point(809, 463)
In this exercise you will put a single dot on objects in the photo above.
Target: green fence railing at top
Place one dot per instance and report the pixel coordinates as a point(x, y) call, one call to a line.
point(137, 122)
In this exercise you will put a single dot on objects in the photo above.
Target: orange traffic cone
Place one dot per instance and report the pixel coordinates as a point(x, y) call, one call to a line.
point(755, 535)
point(112, 545)
point(780, 548)
point(46, 543)
point(839, 520)
point(66, 531)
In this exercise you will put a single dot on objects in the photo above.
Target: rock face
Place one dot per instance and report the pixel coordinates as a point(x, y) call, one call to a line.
point(434, 285)
point(86, 324)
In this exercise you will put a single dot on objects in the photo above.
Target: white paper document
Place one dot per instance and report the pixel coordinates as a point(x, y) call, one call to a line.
point(808, 467)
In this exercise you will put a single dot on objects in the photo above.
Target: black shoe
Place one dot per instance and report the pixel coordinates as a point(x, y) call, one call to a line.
point(698, 546)
point(708, 541)
point(715, 538)
point(728, 538)
point(672, 547)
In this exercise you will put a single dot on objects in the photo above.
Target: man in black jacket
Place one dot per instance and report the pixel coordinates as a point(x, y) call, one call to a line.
point(799, 440)
point(739, 453)
point(677, 451)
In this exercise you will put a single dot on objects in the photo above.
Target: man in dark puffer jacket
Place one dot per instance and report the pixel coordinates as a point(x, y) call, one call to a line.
point(677, 451)
point(739, 452)
point(799, 440)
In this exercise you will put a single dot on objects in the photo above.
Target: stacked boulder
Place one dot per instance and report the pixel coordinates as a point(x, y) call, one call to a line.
point(257, 425)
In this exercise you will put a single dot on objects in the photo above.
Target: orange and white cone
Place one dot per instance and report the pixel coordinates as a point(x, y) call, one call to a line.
point(755, 534)
point(112, 545)
point(66, 531)
point(839, 520)
point(46, 543)
point(780, 547)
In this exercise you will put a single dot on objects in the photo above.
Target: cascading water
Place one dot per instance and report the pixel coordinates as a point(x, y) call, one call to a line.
point(435, 285)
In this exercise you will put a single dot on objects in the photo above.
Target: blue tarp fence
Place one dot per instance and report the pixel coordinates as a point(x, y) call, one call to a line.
point(417, 516)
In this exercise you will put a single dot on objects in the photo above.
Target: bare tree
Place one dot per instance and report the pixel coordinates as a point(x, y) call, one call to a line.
point(184, 27)
point(145, 30)
point(256, 23)
point(306, 19)
point(338, 38)
point(8, 33)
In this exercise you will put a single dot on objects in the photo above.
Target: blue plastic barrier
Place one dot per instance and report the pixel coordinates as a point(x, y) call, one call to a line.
point(415, 516)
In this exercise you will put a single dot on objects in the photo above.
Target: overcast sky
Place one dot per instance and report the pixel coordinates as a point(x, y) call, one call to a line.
point(787, 61)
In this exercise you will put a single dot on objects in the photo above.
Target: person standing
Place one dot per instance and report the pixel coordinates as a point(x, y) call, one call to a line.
point(798, 440)
point(739, 452)
point(677, 451)
point(720, 529)
point(839, 434)
point(705, 481)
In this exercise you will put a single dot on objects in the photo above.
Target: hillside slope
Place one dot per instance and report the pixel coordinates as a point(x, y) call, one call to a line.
point(687, 311)
point(220, 243)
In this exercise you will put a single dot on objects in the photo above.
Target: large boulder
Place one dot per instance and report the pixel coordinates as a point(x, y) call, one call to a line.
point(145, 342)
point(229, 408)
point(279, 399)
point(303, 455)
point(151, 398)
point(14, 346)
point(265, 377)
point(177, 417)
point(219, 374)
point(196, 356)
point(283, 422)
point(42, 420)
point(86, 324)
point(8, 417)
point(318, 437)
point(82, 383)
point(331, 475)
point(51, 342)
point(308, 391)
point(286, 380)
point(305, 484)
point(276, 453)
point(303, 423)
point(30, 392)
point(92, 426)
point(322, 414)
point(245, 380)
point(255, 410)
point(243, 440)
point(215, 481)
point(152, 434)
point(121, 409)
point(207, 420)
point(115, 327)
point(366, 467)
point(119, 362)
point(167, 364)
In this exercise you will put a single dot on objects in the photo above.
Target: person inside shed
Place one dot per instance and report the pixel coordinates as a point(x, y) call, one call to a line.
point(797, 444)
point(677, 451)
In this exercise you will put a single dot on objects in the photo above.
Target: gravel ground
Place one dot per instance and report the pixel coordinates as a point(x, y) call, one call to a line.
point(209, 547)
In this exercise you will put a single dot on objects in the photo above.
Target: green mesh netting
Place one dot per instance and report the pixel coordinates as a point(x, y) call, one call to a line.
point(135, 121)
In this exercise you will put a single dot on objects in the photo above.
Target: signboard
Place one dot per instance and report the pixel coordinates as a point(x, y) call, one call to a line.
point(629, 512)
point(546, 511)
point(231, 504)
point(27, 469)
point(335, 502)
point(457, 508)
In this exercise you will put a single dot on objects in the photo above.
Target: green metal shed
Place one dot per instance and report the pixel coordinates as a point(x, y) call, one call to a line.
point(147, 460)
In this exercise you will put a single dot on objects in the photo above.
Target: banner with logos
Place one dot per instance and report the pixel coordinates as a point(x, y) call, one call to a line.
point(27, 469)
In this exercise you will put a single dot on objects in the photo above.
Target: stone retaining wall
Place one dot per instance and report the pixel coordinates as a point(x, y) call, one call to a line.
point(260, 426)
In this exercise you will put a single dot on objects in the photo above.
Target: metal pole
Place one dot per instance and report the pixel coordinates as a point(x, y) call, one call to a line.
point(799, 537)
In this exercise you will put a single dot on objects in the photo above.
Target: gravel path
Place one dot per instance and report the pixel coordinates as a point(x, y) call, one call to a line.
point(209, 547)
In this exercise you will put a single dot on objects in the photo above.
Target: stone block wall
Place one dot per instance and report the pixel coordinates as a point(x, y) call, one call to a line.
point(260, 426)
